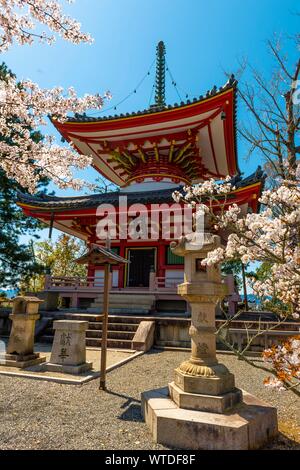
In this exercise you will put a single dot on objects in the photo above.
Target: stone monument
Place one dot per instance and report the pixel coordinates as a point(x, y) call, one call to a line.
point(68, 353)
point(20, 348)
point(202, 408)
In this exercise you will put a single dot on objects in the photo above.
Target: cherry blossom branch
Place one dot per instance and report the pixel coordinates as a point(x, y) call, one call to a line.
point(18, 19)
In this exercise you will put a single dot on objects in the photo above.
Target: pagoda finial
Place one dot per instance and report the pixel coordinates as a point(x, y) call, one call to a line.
point(160, 78)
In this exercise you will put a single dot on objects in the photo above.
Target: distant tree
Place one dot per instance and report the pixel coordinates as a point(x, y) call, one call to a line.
point(104, 186)
point(273, 108)
point(58, 258)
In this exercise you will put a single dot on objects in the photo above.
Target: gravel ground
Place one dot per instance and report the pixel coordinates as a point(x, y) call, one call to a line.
point(40, 415)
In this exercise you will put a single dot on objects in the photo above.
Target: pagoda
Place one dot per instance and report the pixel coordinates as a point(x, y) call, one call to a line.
point(148, 154)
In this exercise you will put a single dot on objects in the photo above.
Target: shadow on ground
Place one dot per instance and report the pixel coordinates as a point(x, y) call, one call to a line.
point(282, 442)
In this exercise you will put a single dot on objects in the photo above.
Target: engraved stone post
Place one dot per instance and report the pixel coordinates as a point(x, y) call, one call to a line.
point(69, 351)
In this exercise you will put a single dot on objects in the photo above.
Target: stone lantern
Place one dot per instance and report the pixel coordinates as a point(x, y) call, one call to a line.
point(202, 408)
point(20, 348)
point(203, 289)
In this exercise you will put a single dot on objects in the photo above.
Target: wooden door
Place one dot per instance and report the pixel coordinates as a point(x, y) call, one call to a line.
point(141, 263)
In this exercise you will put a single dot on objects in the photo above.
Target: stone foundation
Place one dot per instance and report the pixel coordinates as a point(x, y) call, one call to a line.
point(67, 369)
point(21, 361)
point(195, 401)
point(247, 426)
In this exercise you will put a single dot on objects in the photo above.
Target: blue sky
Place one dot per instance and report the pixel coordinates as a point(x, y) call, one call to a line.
point(203, 39)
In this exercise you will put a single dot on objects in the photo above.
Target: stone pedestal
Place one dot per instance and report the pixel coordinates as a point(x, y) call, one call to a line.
point(246, 426)
point(202, 408)
point(68, 350)
point(20, 349)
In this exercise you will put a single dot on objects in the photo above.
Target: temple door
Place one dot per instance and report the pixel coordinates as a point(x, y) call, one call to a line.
point(141, 262)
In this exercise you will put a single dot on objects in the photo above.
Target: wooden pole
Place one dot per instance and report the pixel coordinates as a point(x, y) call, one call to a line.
point(107, 284)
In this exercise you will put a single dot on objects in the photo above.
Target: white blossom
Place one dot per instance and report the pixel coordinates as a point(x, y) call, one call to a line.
point(19, 20)
point(24, 106)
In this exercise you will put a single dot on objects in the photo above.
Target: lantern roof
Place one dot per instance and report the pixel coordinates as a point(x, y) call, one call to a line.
point(99, 255)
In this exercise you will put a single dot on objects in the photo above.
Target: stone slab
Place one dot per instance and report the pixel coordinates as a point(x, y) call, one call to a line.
point(67, 369)
point(12, 360)
point(248, 426)
point(157, 399)
point(71, 325)
point(200, 402)
point(205, 385)
point(144, 336)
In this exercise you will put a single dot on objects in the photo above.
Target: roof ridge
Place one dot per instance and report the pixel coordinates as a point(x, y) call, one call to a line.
point(231, 83)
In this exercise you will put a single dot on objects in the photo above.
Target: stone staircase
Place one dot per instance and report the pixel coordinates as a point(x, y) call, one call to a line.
point(121, 329)
point(133, 303)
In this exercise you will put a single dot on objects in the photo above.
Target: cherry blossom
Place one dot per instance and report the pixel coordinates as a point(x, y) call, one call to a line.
point(22, 158)
point(24, 106)
point(20, 22)
point(285, 359)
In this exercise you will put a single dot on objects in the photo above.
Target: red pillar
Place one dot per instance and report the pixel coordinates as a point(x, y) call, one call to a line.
point(161, 259)
point(122, 267)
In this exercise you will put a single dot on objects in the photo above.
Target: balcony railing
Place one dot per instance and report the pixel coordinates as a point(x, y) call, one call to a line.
point(167, 283)
point(59, 283)
point(76, 283)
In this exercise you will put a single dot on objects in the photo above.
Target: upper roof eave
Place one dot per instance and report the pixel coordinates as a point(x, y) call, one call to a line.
point(213, 92)
point(57, 204)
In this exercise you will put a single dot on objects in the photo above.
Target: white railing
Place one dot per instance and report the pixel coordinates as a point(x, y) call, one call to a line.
point(58, 282)
point(167, 283)
point(92, 283)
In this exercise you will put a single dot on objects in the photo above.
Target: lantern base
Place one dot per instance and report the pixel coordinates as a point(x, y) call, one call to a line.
point(21, 361)
point(248, 425)
point(217, 384)
point(201, 402)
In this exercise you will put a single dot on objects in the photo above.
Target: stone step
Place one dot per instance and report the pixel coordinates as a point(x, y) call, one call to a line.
point(125, 319)
point(48, 332)
point(111, 343)
point(171, 348)
point(46, 339)
point(173, 344)
point(110, 334)
point(83, 317)
point(114, 326)
point(123, 326)
point(96, 342)
point(121, 329)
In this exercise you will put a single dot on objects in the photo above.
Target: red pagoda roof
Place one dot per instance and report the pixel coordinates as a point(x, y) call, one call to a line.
point(78, 215)
point(185, 143)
